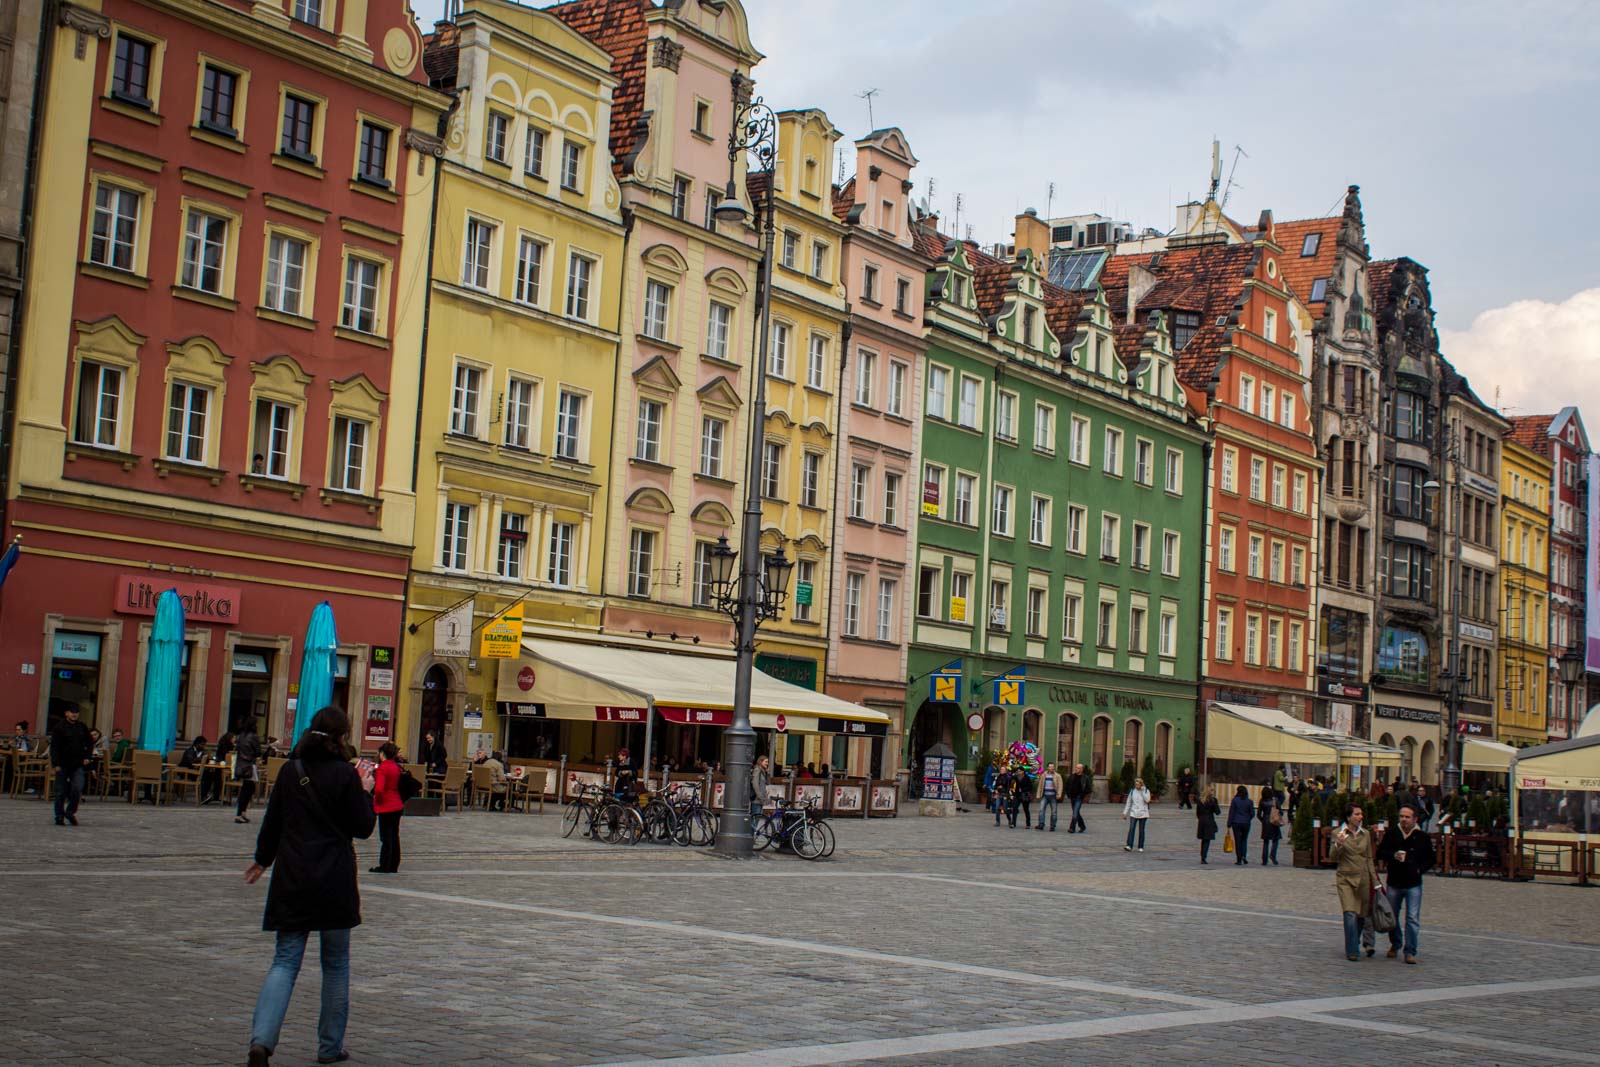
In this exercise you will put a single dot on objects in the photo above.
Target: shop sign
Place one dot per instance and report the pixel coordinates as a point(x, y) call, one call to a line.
point(382, 656)
point(525, 679)
point(697, 716)
point(137, 594)
point(852, 727)
point(253, 663)
point(1473, 729)
point(83, 648)
point(930, 497)
point(792, 669)
point(472, 720)
point(944, 684)
point(526, 711)
point(607, 713)
point(1344, 691)
point(1476, 632)
point(782, 722)
point(1403, 656)
point(452, 631)
point(379, 718)
point(1391, 711)
point(1072, 694)
point(1009, 687)
point(502, 635)
point(802, 592)
point(1239, 696)
point(1478, 482)
point(380, 679)
point(958, 609)
point(939, 777)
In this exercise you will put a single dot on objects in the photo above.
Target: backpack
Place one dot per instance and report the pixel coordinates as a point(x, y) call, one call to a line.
point(408, 785)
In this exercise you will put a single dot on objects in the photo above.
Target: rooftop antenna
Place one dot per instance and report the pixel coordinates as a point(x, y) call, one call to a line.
point(1216, 169)
point(867, 95)
point(955, 223)
point(1049, 199)
point(933, 187)
point(839, 154)
point(1238, 151)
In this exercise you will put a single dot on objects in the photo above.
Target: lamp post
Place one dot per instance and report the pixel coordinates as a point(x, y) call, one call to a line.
point(758, 592)
point(1571, 663)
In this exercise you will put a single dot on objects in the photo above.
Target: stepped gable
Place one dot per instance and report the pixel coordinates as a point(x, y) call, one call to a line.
point(617, 26)
point(1205, 279)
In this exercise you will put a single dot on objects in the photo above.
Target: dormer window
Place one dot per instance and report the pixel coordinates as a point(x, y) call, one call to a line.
point(1312, 242)
point(1319, 290)
point(886, 222)
point(1185, 324)
point(1030, 315)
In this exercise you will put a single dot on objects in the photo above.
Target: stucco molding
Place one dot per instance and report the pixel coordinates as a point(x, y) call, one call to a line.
point(83, 20)
point(426, 143)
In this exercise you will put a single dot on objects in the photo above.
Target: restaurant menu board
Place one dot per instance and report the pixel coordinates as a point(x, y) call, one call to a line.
point(846, 798)
point(938, 778)
point(804, 794)
point(883, 798)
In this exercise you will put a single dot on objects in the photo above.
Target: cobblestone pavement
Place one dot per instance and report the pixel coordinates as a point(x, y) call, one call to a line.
point(133, 940)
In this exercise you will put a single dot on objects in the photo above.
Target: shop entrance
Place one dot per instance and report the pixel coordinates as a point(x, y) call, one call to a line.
point(74, 678)
point(341, 685)
point(251, 695)
point(435, 705)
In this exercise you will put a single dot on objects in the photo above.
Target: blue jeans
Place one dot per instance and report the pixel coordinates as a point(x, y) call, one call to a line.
point(1077, 822)
point(69, 788)
point(1352, 934)
point(273, 1002)
point(1136, 824)
point(1412, 899)
point(1048, 804)
point(1269, 850)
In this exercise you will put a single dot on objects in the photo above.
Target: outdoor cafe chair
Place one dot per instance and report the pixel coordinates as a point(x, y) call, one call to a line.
point(117, 776)
point(148, 770)
point(184, 778)
point(451, 785)
point(482, 781)
point(31, 769)
point(532, 788)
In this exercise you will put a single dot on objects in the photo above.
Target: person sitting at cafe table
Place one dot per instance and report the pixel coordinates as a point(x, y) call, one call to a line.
point(211, 777)
point(434, 758)
point(195, 754)
point(121, 747)
point(498, 783)
point(21, 740)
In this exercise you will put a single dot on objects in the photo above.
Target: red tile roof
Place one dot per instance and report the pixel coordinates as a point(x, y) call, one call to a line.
point(1207, 279)
point(440, 55)
point(617, 26)
point(1532, 432)
point(844, 198)
point(1298, 271)
point(1380, 278)
point(930, 244)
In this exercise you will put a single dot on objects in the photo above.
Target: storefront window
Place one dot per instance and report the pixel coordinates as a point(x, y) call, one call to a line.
point(251, 694)
point(1066, 742)
point(1102, 744)
point(74, 677)
point(341, 685)
point(1557, 811)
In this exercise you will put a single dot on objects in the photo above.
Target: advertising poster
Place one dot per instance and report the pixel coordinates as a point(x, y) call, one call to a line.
point(380, 722)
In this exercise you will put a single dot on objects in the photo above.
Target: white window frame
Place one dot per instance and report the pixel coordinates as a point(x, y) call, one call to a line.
point(1002, 509)
point(455, 540)
point(1039, 508)
point(466, 398)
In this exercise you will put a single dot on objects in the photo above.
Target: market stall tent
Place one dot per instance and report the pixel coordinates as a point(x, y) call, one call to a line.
point(1489, 756)
point(1241, 732)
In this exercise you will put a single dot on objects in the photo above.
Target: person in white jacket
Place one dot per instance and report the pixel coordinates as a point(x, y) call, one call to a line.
point(1136, 809)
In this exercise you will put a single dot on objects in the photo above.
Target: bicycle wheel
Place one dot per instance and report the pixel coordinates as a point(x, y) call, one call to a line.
point(702, 831)
point(571, 817)
point(827, 837)
point(610, 823)
point(658, 822)
point(807, 841)
point(760, 833)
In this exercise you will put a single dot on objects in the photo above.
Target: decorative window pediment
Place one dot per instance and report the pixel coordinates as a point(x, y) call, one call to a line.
point(657, 373)
point(198, 360)
point(650, 499)
point(664, 257)
point(719, 392)
point(713, 513)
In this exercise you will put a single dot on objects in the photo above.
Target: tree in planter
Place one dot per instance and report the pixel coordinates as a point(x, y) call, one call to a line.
point(1155, 779)
point(1113, 782)
point(1301, 833)
point(1129, 773)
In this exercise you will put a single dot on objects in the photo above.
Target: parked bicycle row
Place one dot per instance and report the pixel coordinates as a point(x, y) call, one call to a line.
point(679, 816)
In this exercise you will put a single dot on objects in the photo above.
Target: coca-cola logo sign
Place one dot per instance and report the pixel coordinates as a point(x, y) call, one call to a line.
point(525, 679)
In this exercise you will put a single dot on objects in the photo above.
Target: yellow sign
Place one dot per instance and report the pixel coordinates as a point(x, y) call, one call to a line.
point(958, 609)
point(947, 690)
point(502, 635)
point(1008, 693)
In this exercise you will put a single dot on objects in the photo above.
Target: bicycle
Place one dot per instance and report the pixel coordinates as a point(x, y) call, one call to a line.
point(789, 826)
point(693, 823)
point(584, 808)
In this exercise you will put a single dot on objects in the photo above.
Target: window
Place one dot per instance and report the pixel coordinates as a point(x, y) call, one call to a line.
point(999, 595)
point(453, 550)
point(513, 543)
point(680, 198)
point(1258, 478)
point(1253, 562)
point(308, 11)
point(1079, 443)
point(360, 311)
point(1168, 638)
point(1224, 633)
point(533, 153)
point(1286, 409)
point(1005, 415)
point(1076, 517)
point(187, 407)
point(866, 372)
point(130, 73)
point(1297, 632)
point(938, 392)
point(464, 399)
point(928, 582)
point(286, 274)
point(1136, 629)
point(805, 575)
point(98, 418)
point(657, 303)
point(1410, 416)
point(1247, 393)
point(1000, 521)
point(1275, 642)
point(1030, 318)
point(1174, 471)
point(719, 328)
point(571, 165)
point(1110, 537)
point(558, 567)
point(712, 433)
point(1169, 553)
point(1144, 462)
point(579, 271)
point(1300, 492)
point(891, 498)
point(647, 431)
point(299, 128)
point(1269, 325)
point(1269, 402)
point(852, 604)
point(569, 424)
point(1044, 427)
point(887, 588)
point(1225, 549)
point(1141, 546)
point(641, 562)
point(1113, 455)
point(897, 388)
point(869, 284)
point(218, 92)
point(495, 132)
point(349, 464)
point(791, 248)
point(1071, 617)
point(1185, 324)
point(700, 589)
point(478, 255)
point(1278, 477)
point(817, 363)
point(272, 438)
point(771, 468)
point(372, 165)
point(1319, 290)
point(116, 227)
point(967, 414)
point(702, 117)
point(860, 488)
point(1275, 568)
point(1310, 245)
point(1039, 520)
point(778, 356)
point(205, 244)
point(932, 486)
point(521, 403)
point(1252, 639)
point(966, 490)
point(1106, 629)
point(819, 260)
point(1035, 612)
point(530, 271)
point(1230, 469)
point(902, 296)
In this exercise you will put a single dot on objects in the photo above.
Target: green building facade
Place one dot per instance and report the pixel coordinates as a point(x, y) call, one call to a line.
point(1058, 579)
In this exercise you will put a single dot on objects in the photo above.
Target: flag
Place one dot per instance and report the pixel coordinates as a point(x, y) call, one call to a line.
point(9, 560)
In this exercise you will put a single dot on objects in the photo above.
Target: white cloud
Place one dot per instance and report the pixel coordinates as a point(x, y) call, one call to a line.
point(1541, 356)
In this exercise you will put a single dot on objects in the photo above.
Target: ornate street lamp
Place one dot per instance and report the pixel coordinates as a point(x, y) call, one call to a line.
point(758, 591)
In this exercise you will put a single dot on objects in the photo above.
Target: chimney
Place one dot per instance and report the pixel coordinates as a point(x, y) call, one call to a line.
point(1140, 282)
point(1032, 233)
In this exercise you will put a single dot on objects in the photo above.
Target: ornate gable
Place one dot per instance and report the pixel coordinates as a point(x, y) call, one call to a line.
point(1021, 318)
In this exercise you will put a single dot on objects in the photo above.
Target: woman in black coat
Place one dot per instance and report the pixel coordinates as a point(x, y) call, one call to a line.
point(319, 804)
point(1270, 832)
point(1206, 813)
point(1240, 814)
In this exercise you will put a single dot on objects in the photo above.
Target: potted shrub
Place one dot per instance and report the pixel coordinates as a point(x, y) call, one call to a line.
point(1301, 834)
point(1154, 778)
point(1124, 781)
point(1114, 786)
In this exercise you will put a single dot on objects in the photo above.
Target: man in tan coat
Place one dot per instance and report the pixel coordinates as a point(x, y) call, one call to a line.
point(1049, 795)
point(1354, 877)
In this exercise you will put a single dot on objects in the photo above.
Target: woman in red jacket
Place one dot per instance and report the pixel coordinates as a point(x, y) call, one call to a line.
point(388, 805)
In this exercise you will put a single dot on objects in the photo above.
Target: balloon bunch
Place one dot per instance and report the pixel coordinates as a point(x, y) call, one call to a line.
point(1022, 758)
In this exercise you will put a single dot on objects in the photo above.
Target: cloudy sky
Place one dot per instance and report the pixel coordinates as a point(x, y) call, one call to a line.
point(1469, 126)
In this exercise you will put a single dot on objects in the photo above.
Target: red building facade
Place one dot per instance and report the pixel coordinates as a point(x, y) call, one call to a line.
point(219, 375)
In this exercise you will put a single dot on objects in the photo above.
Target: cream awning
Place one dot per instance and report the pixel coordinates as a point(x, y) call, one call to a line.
point(1480, 755)
point(1570, 764)
point(578, 680)
point(1238, 731)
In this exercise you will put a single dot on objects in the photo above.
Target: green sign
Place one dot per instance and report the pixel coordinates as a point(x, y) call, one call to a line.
point(802, 592)
point(791, 669)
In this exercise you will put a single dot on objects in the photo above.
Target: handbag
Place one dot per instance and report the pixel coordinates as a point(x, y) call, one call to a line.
point(1227, 842)
point(408, 786)
point(1383, 916)
point(1276, 818)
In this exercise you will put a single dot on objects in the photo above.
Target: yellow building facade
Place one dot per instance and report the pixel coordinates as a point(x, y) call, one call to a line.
point(1524, 595)
point(519, 373)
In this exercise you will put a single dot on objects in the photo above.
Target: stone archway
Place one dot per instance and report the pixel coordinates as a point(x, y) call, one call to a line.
point(438, 691)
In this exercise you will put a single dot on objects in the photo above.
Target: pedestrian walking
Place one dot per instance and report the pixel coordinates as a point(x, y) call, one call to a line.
point(760, 778)
point(1002, 798)
point(388, 804)
point(1136, 809)
point(1022, 799)
point(71, 749)
point(1079, 786)
point(1425, 808)
point(1205, 815)
point(1240, 814)
point(1297, 787)
point(246, 768)
point(319, 806)
point(1185, 789)
point(1354, 877)
point(1408, 855)
point(1050, 791)
point(1270, 816)
point(992, 799)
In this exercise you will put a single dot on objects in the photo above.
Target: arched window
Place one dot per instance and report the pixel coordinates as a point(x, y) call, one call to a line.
point(1101, 747)
point(1133, 741)
point(1163, 752)
point(1032, 725)
point(1066, 741)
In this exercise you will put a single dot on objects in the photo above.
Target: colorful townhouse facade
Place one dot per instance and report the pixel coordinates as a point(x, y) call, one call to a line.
point(514, 430)
point(876, 505)
point(1524, 583)
point(217, 384)
point(1569, 561)
point(1058, 567)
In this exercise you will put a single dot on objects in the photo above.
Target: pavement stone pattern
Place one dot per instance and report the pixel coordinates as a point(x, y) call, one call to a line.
point(133, 940)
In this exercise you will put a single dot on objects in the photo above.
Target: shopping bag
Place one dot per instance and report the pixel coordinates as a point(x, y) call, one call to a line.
point(1383, 916)
point(1227, 842)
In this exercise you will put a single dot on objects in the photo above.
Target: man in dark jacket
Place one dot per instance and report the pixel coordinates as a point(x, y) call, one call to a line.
point(1408, 852)
point(1185, 789)
point(1079, 786)
point(71, 748)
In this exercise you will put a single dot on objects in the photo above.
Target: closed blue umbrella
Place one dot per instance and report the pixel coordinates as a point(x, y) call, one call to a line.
point(158, 725)
point(318, 662)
